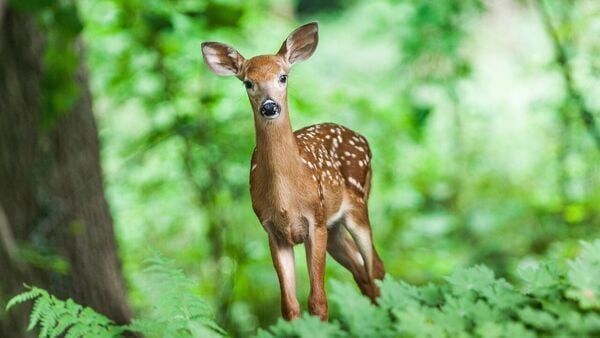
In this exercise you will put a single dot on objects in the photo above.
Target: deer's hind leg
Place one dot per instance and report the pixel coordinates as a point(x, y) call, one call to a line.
point(358, 225)
point(344, 250)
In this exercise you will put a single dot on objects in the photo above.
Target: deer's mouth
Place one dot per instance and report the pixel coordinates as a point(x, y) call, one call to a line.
point(270, 109)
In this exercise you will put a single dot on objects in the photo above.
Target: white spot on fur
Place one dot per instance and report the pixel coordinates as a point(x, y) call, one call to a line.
point(355, 183)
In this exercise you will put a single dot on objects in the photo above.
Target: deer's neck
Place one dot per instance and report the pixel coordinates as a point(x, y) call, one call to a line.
point(276, 147)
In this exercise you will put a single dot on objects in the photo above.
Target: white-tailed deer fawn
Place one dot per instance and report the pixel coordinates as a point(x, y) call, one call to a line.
point(309, 186)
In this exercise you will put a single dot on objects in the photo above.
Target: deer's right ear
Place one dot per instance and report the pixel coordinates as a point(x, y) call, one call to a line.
point(222, 59)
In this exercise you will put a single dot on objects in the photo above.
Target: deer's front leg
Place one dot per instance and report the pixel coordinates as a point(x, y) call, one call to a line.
point(316, 248)
point(283, 260)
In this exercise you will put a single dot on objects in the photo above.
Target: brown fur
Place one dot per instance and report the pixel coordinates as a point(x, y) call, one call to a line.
point(310, 186)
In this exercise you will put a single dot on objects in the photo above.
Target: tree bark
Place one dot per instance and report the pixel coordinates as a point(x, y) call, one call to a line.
point(51, 188)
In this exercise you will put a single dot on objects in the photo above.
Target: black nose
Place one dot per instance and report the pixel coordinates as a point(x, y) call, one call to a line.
point(270, 109)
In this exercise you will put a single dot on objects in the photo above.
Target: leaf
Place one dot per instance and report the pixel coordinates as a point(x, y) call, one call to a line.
point(541, 280)
point(305, 327)
point(25, 296)
point(431, 295)
point(39, 310)
point(502, 295)
point(176, 307)
point(471, 281)
point(489, 330)
point(397, 295)
point(417, 322)
point(584, 276)
point(538, 319)
point(353, 308)
point(513, 329)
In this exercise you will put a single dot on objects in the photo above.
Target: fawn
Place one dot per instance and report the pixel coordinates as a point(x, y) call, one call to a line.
point(309, 186)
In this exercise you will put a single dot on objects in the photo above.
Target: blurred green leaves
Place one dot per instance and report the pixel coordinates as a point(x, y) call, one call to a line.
point(31, 5)
point(60, 22)
point(457, 101)
point(584, 276)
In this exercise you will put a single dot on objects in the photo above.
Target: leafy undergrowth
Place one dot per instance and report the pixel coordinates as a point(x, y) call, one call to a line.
point(552, 302)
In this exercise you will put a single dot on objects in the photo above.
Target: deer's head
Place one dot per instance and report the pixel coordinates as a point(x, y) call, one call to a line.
point(265, 76)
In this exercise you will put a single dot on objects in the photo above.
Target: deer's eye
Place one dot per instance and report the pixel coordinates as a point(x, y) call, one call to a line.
point(283, 78)
point(248, 84)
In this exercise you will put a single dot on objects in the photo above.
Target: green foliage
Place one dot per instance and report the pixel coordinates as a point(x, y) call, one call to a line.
point(472, 303)
point(584, 277)
point(61, 24)
point(177, 311)
point(305, 327)
point(57, 318)
point(346, 300)
point(460, 102)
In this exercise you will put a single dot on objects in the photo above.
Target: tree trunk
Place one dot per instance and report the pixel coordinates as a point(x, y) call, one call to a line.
point(51, 189)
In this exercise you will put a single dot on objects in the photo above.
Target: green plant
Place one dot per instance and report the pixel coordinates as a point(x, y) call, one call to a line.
point(177, 311)
point(553, 300)
point(56, 317)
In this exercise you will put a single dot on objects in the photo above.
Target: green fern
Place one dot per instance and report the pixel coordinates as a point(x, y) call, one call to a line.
point(553, 301)
point(177, 311)
point(56, 317)
point(25, 296)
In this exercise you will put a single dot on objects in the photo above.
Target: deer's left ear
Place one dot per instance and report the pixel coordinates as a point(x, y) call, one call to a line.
point(222, 59)
point(301, 44)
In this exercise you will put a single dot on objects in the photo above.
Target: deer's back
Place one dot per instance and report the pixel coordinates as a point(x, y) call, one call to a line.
point(336, 156)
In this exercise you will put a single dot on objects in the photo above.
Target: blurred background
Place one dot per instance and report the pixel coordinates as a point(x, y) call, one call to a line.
point(483, 118)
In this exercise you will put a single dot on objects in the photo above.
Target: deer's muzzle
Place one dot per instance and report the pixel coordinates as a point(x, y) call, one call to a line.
point(270, 109)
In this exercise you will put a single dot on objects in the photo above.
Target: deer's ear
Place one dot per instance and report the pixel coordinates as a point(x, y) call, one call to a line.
point(222, 59)
point(301, 44)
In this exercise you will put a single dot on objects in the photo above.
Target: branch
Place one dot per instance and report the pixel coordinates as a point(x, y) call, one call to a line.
point(561, 59)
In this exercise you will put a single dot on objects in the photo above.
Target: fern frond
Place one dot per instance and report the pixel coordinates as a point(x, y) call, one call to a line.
point(66, 318)
point(65, 321)
point(177, 307)
point(77, 331)
point(48, 322)
point(40, 308)
point(25, 296)
point(56, 317)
